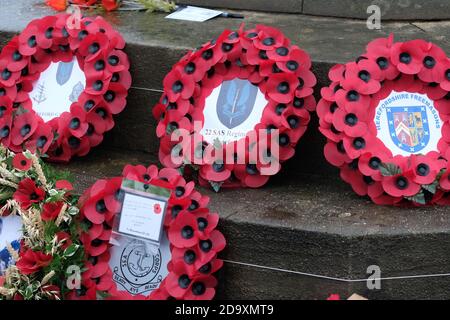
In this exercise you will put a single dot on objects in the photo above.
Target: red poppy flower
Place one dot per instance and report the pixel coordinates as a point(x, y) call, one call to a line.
point(363, 77)
point(184, 230)
point(28, 193)
point(5, 130)
point(180, 286)
point(379, 50)
point(426, 168)
point(95, 209)
point(32, 261)
point(59, 5)
point(334, 297)
point(281, 87)
point(351, 175)
point(51, 210)
point(41, 139)
point(444, 182)
point(64, 184)
point(7, 77)
point(409, 56)
point(97, 247)
point(351, 120)
point(269, 38)
point(21, 162)
point(216, 171)
point(401, 184)
point(24, 126)
point(335, 154)
point(178, 84)
point(434, 64)
point(337, 72)
point(10, 53)
point(352, 98)
point(110, 5)
point(64, 238)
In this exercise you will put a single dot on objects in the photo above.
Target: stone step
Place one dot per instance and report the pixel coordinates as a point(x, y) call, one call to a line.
point(315, 225)
point(156, 43)
point(390, 10)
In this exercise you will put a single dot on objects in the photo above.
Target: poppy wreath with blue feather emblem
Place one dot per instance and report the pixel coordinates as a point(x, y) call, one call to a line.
point(98, 49)
point(386, 120)
point(245, 64)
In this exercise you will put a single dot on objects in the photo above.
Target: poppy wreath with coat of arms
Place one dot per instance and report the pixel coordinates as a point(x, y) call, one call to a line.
point(260, 81)
point(89, 44)
point(386, 120)
point(190, 227)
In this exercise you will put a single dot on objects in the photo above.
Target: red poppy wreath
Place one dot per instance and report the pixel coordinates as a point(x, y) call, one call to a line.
point(184, 266)
point(386, 118)
point(60, 84)
point(236, 108)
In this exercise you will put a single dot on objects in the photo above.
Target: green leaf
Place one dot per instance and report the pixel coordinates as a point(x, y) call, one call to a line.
point(28, 293)
point(216, 185)
point(103, 295)
point(418, 198)
point(71, 250)
point(390, 169)
point(432, 188)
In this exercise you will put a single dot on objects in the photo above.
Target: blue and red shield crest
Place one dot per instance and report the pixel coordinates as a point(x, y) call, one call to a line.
point(408, 127)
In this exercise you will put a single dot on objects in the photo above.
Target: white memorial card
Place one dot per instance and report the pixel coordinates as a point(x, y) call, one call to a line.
point(142, 217)
point(191, 13)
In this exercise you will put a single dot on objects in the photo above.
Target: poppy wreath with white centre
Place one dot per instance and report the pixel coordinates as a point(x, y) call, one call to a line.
point(264, 62)
point(386, 120)
point(189, 226)
point(94, 48)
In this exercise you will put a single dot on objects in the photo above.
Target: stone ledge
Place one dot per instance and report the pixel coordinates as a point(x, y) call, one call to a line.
point(326, 39)
point(391, 9)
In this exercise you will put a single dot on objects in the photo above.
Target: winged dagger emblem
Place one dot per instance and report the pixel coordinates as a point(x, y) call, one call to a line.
point(235, 103)
point(64, 72)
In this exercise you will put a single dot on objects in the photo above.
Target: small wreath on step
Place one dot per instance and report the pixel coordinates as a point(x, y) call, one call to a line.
point(386, 120)
point(57, 43)
point(263, 86)
point(193, 241)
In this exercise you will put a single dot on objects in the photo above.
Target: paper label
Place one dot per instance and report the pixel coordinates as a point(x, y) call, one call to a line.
point(408, 123)
point(191, 13)
point(142, 217)
point(57, 88)
point(232, 110)
point(10, 233)
point(137, 270)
